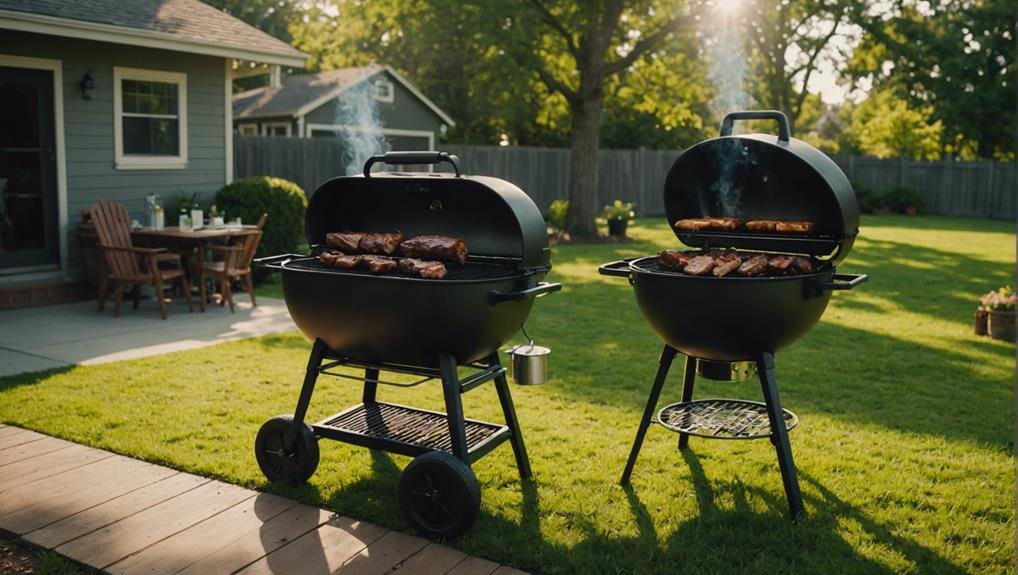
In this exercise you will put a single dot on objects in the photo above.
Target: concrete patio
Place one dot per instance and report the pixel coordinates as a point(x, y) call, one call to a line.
point(33, 339)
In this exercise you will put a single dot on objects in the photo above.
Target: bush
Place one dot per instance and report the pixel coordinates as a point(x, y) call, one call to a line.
point(283, 200)
point(178, 201)
point(557, 213)
point(900, 198)
point(870, 201)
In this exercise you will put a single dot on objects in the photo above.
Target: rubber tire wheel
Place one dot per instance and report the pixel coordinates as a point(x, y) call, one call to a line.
point(439, 495)
point(293, 467)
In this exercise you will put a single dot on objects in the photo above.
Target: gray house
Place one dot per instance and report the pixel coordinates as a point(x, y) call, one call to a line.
point(110, 99)
point(323, 104)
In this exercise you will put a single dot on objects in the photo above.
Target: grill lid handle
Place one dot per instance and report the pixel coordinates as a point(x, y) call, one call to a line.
point(404, 158)
point(784, 133)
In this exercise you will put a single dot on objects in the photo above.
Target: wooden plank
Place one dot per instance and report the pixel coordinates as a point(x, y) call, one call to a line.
point(434, 559)
point(14, 436)
point(114, 510)
point(254, 545)
point(103, 547)
point(474, 566)
point(38, 504)
point(323, 550)
point(33, 469)
point(381, 556)
point(202, 539)
point(34, 448)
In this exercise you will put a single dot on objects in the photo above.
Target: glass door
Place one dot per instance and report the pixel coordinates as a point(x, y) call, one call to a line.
point(28, 194)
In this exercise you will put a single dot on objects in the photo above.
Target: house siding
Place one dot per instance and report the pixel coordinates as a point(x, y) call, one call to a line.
point(88, 124)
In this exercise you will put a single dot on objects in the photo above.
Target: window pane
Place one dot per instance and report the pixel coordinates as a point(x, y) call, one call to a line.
point(149, 97)
point(151, 136)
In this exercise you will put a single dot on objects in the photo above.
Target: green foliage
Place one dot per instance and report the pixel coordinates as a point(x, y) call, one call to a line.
point(269, 16)
point(870, 200)
point(557, 213)
point(284, 202)
point(900, 198)
point(1001, 299)
point(618, 210)
point(182, 201)
point(886, 126)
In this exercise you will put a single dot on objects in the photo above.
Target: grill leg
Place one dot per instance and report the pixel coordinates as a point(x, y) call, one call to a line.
point(310, 377)
point(454, 407)
point(667, 355)
point(687, 393)
point(370, 387)
point(516, 434)
point(779, 435)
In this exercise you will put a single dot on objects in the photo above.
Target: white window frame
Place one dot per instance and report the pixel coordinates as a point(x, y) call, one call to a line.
point(244, 130)
point(146, 162)
point(383, 81)
point(269, 125)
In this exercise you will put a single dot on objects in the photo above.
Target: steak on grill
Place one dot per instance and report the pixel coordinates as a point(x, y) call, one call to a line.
point(443, 248)
point(380, 244)
point(429, 270)
point(345, 241)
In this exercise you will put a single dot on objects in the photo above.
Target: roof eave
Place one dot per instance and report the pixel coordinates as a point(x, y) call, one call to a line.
point(43, 24)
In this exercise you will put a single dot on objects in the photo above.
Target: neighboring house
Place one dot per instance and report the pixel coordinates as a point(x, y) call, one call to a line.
point(312, 105)
point(111, 99)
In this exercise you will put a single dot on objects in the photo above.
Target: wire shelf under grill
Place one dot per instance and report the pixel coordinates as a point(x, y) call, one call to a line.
point(721, 418)
point(416, 430)
point(472, 270)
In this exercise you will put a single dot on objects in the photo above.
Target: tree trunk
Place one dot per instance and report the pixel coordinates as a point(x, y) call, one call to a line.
point(586, 122)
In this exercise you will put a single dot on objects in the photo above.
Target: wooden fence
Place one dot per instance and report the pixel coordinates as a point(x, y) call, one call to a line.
point(982, 189)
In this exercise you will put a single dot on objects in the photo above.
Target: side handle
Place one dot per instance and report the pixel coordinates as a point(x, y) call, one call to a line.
point(405, 158)
point(617, 269)
point(539, 289)
point(274, 263)
point(839, 282)
point(784, 133)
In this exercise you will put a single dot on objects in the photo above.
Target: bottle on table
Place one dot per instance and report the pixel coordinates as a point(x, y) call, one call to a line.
point(185, 220)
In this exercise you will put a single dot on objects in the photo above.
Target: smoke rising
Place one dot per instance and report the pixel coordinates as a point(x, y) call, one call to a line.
point(360, 127)
point(727, 194)
point(725, 47)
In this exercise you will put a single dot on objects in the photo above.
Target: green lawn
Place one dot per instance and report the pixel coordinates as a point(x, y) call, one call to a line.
point(904, 446)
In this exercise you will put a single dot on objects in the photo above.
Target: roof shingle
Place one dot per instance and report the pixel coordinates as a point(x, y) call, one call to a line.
point(296, 92)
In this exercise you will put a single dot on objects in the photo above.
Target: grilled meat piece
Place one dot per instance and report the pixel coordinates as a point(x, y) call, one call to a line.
point(442, 248)
point(725, 267)
point(754, 266)
point(693, 224)
point(761, 225)
point(329, 258)
point(674, 259)
point(803, 264)
point(726, 224)
point(377, 264)
point(700, 266)
point(779, 263)
point(433, 270)
point(380, 244)
point(344, 241)
point(794, 226)
point(347, 262)
point(409, 265)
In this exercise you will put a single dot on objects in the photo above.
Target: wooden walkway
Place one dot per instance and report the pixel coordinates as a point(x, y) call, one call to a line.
point(125, 516)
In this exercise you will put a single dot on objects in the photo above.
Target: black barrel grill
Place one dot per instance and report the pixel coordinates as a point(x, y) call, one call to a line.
point(730, 327)
point(447, 329)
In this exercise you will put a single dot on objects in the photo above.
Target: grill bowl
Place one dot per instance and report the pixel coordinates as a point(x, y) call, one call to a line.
point(728, 318)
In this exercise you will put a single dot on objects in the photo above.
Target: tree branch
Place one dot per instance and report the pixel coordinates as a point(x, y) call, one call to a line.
point(551, 20)
point(643, 46)
point(810, 66)
point(556, 85)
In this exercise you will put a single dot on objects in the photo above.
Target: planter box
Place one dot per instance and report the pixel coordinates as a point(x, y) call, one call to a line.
point(1001, 324)
point(982, 319)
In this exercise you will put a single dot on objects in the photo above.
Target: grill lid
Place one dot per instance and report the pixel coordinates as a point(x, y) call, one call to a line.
point(760, 176)
point(493, 216)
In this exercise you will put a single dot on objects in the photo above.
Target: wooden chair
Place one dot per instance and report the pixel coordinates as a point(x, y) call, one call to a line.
point(113, 227)
point(235, 266)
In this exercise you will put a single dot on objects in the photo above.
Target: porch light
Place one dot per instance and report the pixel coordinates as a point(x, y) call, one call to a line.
point(87, 86)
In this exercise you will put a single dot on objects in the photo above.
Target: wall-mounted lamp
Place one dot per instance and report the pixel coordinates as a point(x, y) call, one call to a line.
point(87, 86)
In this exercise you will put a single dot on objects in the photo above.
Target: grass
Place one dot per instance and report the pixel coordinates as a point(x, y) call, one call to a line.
point(904, 447)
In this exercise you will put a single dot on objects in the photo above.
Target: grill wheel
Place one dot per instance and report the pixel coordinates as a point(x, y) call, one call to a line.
point(280, 464)
point(439, 495)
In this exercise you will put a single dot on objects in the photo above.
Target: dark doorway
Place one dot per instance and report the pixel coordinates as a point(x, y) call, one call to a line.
point(28, 191)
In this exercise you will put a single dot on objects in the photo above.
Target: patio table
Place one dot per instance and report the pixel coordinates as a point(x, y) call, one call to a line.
point(186, 240)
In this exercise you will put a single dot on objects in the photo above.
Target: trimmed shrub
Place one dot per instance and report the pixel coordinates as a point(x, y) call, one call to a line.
point(557, 213)
point(900, 198)
point(870, 201)
point(283, 200)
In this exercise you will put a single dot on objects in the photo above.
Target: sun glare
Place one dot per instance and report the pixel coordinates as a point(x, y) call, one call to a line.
point(727, 6)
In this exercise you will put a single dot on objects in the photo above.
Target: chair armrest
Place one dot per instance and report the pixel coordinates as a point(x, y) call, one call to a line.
point(217, 248)
point(133, 249)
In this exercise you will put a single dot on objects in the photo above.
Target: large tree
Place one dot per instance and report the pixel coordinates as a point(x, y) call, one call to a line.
point(574, 48)
point(270, 16)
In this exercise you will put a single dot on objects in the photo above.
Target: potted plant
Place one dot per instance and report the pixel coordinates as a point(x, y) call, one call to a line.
point(618, 214)
point(1000, 308)
point(905, 200)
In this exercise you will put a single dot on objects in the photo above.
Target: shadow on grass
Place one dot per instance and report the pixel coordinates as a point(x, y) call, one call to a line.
point(32, 377)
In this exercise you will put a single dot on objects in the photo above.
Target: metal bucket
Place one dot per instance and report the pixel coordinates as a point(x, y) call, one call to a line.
point(529, 364)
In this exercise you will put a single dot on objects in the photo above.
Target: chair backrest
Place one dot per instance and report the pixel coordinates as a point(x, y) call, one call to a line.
point(241, 260)
point(261, 221)
point(113, 226)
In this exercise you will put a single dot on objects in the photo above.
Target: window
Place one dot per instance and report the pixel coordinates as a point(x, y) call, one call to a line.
point(281, 129)
point(248, 130)
point(150, 117)
point(383, 90)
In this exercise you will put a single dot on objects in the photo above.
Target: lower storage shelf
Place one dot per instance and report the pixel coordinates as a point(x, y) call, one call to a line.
point(721, 418)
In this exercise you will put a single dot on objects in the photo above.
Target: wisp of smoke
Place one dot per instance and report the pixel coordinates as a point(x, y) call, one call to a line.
point(726, 54)
point(727, 194)
point(360, 127)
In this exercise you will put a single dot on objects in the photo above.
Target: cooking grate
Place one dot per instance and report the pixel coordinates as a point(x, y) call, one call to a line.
point(472, 270)
point(653, 264)
point(407, 425)
point(721, 418)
